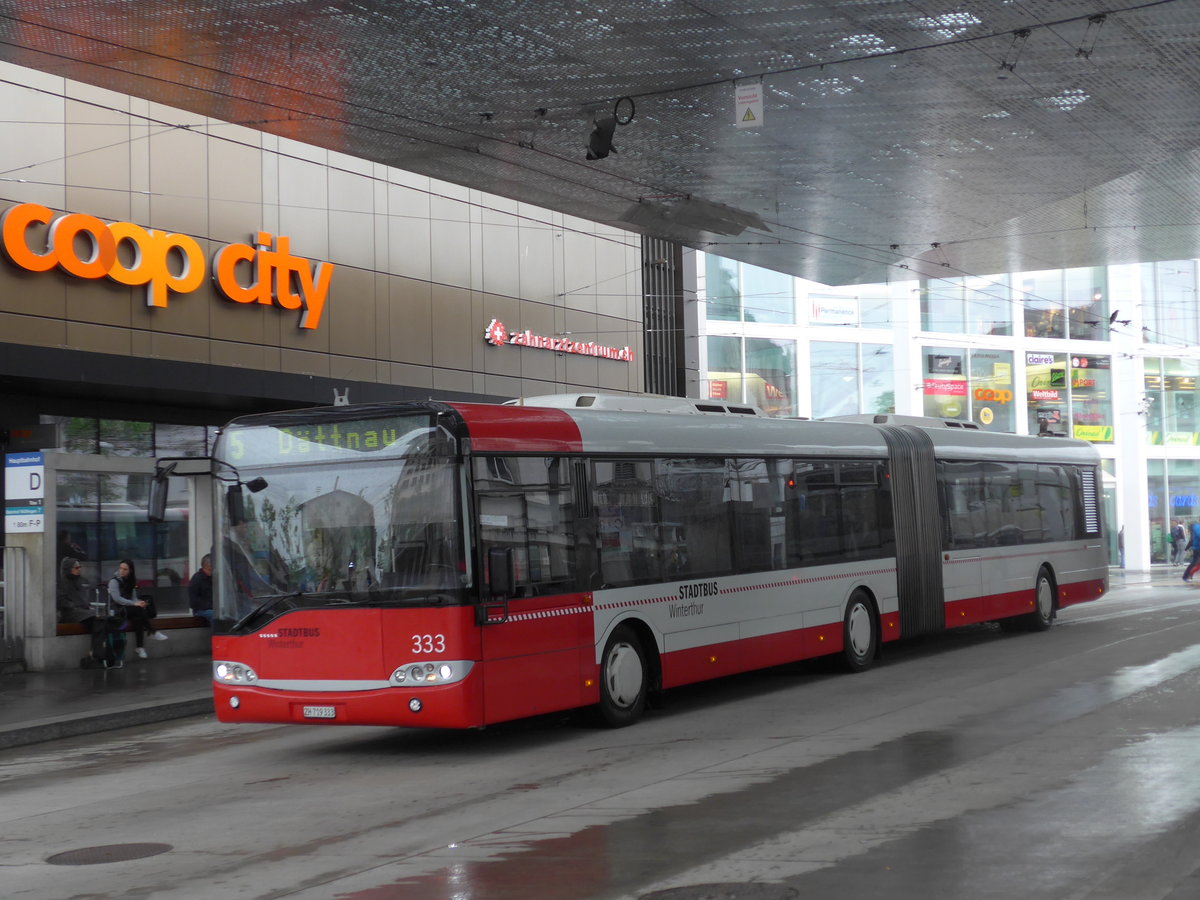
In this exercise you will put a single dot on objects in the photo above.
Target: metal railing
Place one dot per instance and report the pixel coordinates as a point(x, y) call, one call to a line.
point(14, 591)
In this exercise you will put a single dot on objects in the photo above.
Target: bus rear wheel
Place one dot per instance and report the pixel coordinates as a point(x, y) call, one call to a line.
point(860, 636)
point(1042, 616)
point(624, 679)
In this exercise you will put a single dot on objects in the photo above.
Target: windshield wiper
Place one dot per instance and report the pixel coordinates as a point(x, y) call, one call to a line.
point(266, 605)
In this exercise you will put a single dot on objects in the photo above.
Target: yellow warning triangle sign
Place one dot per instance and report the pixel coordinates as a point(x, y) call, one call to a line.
point(749, 104)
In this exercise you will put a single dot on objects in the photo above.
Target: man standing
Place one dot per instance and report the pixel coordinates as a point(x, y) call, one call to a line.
point(200, 591)
point(1178, 543)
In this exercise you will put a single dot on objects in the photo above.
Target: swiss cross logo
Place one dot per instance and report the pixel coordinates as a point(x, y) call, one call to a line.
point(496, 333)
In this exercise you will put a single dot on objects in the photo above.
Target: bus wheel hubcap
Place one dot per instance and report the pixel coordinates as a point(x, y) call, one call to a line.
point(1045, 599)
point(860, 630)
point(624, 675)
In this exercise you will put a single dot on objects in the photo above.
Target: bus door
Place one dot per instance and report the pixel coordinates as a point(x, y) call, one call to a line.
point(918, 524)
point(535, 621)
point(964, 540)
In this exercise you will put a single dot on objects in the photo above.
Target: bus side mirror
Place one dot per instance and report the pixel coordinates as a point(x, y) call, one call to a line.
point(502, 571)
point(235, 504)
point(235, 499)
point(156, 511)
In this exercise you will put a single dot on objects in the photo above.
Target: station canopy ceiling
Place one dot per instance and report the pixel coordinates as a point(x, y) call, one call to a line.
point(894, 137)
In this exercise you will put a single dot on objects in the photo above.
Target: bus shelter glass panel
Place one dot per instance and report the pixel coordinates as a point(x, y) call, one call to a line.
point(123, 438)
point(183, 440)
point(102, 520)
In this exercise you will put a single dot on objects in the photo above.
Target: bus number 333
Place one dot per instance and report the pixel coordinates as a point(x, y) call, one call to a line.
point(429, 643)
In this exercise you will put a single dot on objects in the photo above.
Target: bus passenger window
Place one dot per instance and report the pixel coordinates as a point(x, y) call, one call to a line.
point(627, 521)
point(860, 509)
point(1002, 495)
point(526, 503)
point(1057, 502)
point(814, 513)
point(694, 538)
point(965, 503)
point(758, 518)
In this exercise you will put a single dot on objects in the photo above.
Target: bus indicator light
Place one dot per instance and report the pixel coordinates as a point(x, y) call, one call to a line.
point(414, 705)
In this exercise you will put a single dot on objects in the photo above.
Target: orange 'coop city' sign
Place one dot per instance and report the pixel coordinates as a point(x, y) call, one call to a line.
point(165, 263)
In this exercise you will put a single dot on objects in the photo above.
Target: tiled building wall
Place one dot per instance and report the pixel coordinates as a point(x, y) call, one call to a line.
point(421, 266)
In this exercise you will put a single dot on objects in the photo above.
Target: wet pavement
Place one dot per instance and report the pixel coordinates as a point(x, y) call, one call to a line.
point(43, 706)
point(975, 765)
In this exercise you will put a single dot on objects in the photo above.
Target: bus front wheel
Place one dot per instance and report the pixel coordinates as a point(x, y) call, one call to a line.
point(860, 636)
point(624, 679)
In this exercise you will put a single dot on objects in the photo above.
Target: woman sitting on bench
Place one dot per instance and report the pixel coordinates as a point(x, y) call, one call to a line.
point(121, 589)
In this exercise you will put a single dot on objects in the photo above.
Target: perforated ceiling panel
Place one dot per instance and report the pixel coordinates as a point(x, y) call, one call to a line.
point(976, 136)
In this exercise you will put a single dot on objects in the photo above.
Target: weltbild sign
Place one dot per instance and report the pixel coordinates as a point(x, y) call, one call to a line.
point(165, 264)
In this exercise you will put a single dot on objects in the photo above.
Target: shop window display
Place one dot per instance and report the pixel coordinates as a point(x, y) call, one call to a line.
point(971, 385)
point(1170, 402)
point(1091, 399)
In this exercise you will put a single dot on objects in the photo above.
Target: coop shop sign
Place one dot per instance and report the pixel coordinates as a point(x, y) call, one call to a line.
point(497, 335)
point(164, 264)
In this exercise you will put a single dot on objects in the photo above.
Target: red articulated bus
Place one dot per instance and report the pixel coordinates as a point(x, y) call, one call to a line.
point(453, 565)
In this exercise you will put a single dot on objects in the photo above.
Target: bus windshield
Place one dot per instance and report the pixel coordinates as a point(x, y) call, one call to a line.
point(381, 529)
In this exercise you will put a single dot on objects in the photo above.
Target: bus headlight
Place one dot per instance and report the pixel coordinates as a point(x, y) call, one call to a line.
point(226, 672)
point(428, 674)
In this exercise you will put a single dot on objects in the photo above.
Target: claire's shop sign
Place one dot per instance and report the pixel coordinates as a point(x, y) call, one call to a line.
point(86, 247)
point(497, 335)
